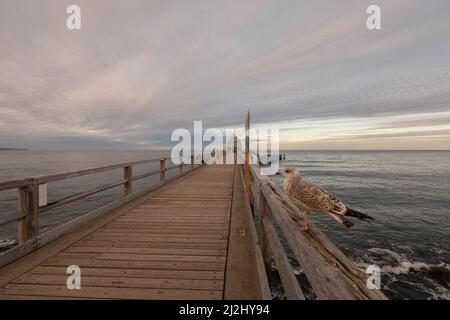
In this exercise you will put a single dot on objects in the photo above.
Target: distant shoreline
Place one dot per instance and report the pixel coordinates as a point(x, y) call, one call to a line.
point(13, 149)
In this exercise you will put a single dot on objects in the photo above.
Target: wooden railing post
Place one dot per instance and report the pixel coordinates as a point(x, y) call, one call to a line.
point(264, 211)
point(23, 206)
point(180, 171)
point(128, 177)
point(162, 168)
point(28, 199)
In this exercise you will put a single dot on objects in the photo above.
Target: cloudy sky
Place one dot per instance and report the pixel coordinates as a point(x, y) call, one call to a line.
point(139, 69)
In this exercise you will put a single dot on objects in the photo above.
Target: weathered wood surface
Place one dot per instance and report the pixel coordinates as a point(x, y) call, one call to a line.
point(172, 244)
point(291, 287)
point(245, 272)
point(331, 274)
point(28, 205)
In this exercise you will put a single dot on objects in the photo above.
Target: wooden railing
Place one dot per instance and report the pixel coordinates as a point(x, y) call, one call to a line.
point(331, 275)
point(29, 210)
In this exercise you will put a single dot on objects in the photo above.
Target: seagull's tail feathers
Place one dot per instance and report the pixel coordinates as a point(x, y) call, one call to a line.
point(353, 213)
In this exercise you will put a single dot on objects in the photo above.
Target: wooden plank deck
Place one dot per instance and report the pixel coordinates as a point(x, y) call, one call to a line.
point(173, 244)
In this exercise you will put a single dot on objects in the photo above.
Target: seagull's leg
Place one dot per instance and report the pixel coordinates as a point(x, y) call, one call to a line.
point(307, 219)
point(305, 226)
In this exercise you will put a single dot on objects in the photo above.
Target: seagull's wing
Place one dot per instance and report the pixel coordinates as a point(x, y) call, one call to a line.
point(339, 218)
point(316, 198)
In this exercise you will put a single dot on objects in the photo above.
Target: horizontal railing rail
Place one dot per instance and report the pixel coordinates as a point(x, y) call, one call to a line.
point(28, 192)
point(6, 185)
point(11, 218)
point(79, 196)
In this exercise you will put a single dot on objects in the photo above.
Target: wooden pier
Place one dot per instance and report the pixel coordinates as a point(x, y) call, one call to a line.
point(209, 232)
point(169, 244)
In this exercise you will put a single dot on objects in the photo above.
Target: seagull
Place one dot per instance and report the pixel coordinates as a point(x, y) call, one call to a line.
point(312, 198)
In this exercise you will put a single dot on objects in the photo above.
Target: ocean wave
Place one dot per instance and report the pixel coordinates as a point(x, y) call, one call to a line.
point(404, 265)
point(426, 280)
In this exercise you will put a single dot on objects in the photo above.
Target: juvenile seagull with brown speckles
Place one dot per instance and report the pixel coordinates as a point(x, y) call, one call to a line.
point(312, 198)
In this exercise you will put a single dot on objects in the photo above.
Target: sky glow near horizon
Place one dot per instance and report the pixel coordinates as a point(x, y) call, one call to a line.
point(139, 69)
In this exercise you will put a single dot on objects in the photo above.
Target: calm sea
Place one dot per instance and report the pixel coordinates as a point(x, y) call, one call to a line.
point(407, 192)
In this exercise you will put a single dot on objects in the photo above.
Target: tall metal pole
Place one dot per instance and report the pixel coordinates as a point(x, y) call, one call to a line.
point(247, 155)
point(235, 150)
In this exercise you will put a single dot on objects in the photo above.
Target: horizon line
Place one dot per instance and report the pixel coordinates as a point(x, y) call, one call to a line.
point(169, 149)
